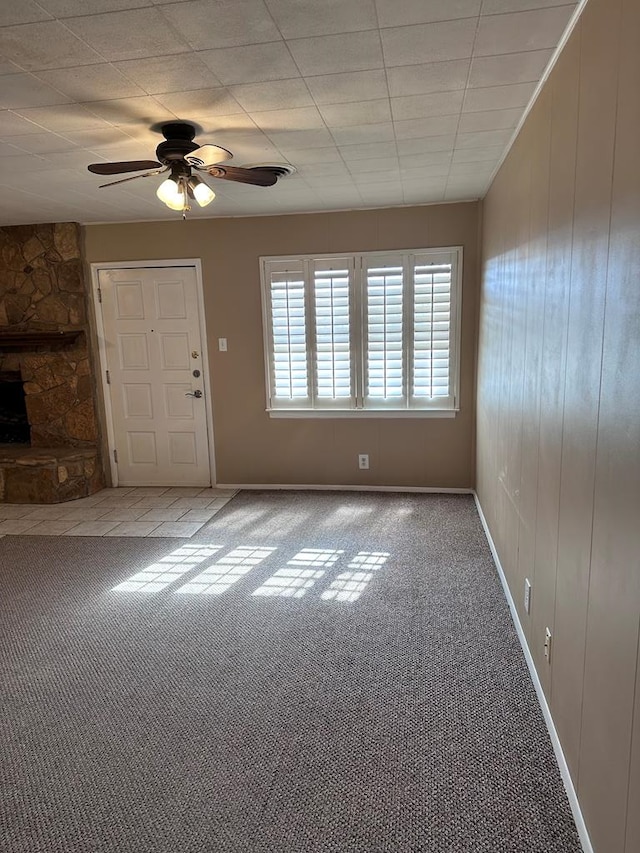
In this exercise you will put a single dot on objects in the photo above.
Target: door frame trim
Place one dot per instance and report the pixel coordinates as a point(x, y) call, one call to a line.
point(103, 386)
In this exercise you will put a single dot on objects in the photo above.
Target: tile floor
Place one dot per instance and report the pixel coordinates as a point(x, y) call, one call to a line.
point(152, 511)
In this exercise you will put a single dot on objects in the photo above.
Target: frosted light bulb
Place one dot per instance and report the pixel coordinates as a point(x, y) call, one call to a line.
point(203, 194)
point(170, 193)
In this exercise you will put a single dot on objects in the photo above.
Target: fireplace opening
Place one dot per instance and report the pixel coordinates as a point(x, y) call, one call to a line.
point(14, 423)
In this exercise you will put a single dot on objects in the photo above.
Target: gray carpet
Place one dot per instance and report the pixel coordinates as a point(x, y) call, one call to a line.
point(215, 719)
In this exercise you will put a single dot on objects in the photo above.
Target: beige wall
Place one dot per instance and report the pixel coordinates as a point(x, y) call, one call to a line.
point(253, 448)
point(559, 403)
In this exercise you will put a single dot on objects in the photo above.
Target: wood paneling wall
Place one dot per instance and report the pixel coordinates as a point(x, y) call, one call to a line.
point(558, 437)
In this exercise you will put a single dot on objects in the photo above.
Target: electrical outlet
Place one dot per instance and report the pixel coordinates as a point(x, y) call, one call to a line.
point(363, 461)
point(222, 344)
point(527, 595)
point(547, 645)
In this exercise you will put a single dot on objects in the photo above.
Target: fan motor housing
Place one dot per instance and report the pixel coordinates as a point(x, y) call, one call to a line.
point(174, 149)
point(178, 142)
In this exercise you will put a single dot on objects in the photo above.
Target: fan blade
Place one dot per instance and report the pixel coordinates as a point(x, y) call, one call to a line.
point(258, 177)
point(133, 177)
point(119, 168)
point(208, 155)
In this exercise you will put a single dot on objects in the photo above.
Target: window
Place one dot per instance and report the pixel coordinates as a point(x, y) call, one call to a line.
point(365, 333)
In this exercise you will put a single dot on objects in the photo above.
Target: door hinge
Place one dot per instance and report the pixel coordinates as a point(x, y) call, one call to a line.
point(115, 456)
point(99, 294)
point(108, 377)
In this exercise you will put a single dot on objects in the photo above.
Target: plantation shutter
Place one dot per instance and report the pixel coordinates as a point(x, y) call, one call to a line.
point(433, 275)
point(287, 320)
point(384, 283)
point(372, 331)
point(333, 356)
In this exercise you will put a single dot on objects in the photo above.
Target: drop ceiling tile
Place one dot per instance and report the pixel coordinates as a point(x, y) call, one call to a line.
point(426, 160)
point(25, 163)
point(489, 120)
point(300, 18)
point(349, 86)
point(365, 112)
point(7, 67)
point(99, 139)
point(132, 34)
point(520, 31)
point(483, 138)
point(143, 111)
point(323, 182)
point(378, 195)
point(320, 138)
point(41, 143)
point(417, 173)
point(394, 13)
point(508, 68)
point(478, 154)
point(253, 63)
point(362, 134)
point(429, 194)
point(427, 78)
point(388, 165)
point(313, 156)
point(9, 150)
point(91, 82)
point(460, 189)
point(275, 121)
point(434, 105)
point(319, 170)
point(76, 159)
point(333, 54)
point(124, 151)
point(244, 155)
point(200, 102)
point(35, 47)
point(23, 90)
point(224, 24)
point(429, 144)
point(495, 7)
point(381, 175)
point(478, 169)
point(61, 118)
point(236, 126)
point(438, 42)
point(368, 150)
point(274, 95)
point(72, 8)
point(423, 127)
point(498, 97)
point(11, 124)
point(162, 74)
point(24, 12)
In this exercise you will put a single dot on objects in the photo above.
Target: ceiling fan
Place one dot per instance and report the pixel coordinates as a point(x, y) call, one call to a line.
point(179, 155)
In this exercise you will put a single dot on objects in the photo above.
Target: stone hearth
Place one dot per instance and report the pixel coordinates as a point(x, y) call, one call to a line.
point(43, 294)
point(48, 475)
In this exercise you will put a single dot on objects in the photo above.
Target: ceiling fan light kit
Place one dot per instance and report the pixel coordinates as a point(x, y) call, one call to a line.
point(179, 154)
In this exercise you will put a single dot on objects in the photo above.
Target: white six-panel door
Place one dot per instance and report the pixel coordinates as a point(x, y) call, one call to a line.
point(152, 345)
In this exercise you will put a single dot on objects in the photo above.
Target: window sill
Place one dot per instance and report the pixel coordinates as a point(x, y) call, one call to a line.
point(362, 413)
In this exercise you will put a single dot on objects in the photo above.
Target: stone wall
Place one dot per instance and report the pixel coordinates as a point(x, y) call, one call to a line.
point(42, 288)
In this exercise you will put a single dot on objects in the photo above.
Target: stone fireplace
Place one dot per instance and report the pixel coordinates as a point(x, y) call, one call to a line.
point(14, 421)
point(45, 370)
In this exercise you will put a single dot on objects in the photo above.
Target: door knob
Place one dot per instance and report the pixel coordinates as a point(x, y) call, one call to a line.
point(196, 394)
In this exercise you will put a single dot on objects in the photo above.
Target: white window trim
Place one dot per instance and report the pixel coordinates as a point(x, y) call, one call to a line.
point(357, 331)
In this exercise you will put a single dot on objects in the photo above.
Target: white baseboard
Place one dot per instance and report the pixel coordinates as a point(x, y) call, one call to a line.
point(311, 488)
point(553, 734)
